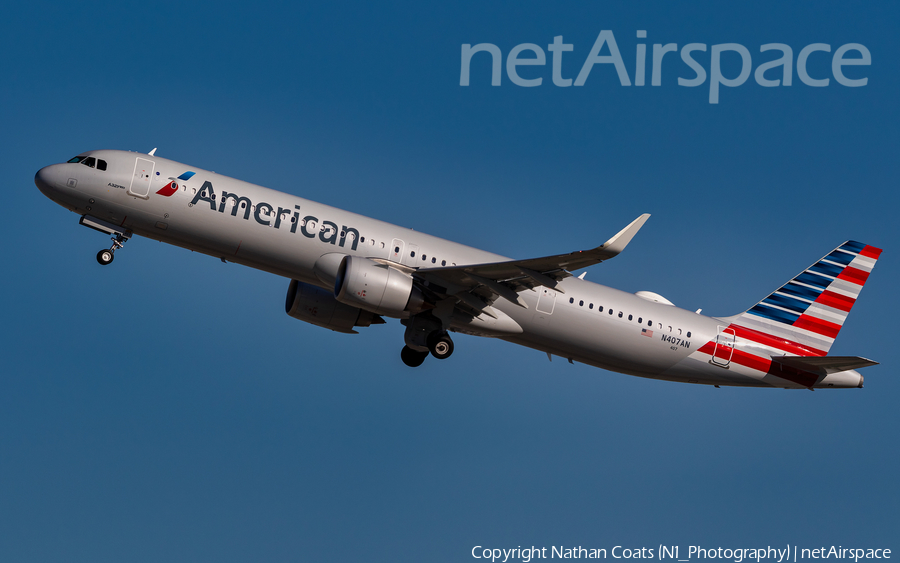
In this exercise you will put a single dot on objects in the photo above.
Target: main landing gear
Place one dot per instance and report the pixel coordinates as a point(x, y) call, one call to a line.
point(439, 345)
point(106, 256)
point(412, 358)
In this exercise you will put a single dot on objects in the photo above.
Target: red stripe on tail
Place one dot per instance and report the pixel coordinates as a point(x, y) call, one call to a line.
point(766, 366)
point(784, 344)
point(870, 252)
point(854, 275)
point(836, 300)
point(817, 325)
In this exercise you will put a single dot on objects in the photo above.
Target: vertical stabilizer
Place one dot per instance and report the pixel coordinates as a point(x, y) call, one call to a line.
point(810, 310)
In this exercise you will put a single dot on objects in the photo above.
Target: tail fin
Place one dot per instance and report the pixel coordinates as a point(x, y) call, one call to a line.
point(810, 309)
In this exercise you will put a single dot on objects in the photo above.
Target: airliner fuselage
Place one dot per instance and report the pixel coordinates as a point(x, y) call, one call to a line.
point(349, 270)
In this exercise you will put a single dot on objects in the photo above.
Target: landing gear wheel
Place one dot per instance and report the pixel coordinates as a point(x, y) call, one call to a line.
point(440, 345)
point(105, 256)
point(412, 358)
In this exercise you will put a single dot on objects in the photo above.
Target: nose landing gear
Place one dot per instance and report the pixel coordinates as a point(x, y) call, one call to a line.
point(105, 257)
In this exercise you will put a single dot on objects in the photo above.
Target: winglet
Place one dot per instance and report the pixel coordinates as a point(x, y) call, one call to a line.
point(618, 243)
point(153, 152)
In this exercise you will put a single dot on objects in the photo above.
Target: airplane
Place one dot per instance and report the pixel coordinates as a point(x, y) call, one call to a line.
point(348, 271)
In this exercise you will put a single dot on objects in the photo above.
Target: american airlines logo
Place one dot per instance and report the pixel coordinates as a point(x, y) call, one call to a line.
point(172, 186)
point(270, 216)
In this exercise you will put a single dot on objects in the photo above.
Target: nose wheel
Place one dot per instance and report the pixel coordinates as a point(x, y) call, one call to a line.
point(106, 256)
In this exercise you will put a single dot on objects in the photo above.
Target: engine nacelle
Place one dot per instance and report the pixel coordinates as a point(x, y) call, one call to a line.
point(319, 307)
point(375, 287)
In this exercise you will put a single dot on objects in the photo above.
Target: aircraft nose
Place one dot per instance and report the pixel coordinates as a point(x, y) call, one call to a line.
point(47, 179)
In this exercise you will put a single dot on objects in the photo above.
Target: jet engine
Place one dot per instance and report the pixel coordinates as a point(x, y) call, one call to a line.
point(375, 287)
point(319, 307)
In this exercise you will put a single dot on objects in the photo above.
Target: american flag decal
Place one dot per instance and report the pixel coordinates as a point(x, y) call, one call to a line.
point(645, 332)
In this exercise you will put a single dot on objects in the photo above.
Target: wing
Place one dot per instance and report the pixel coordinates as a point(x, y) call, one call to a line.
point(477, 286)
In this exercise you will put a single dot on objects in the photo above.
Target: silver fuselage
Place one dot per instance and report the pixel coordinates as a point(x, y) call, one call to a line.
point(285, 234)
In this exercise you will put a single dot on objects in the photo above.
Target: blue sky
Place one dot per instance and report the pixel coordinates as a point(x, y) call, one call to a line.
point(165, 407)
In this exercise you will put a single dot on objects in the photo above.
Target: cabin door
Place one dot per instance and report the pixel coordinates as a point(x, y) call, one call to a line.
point(140, 181)
point(724, 347)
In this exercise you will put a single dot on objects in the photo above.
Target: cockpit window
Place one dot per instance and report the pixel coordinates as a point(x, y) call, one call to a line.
point(76, 159)
point(89, 161)
point(101, 164)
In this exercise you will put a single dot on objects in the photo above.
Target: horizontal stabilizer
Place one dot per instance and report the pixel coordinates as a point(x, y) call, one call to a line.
point(824, 364)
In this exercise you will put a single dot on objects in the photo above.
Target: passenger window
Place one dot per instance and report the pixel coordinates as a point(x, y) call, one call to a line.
point(650, 323)
point(689, 334)
point(610, 311)
point(412, 254)
point(581, 303)
point(600, 309)
point(424, 257)
point(679, 332)
point(433, 259)
point(443, 262)
point(362, 239)
point(396, 249)
point(382, 246)
point(571, 299)
point(630, 317)
point(101, 165)
point(620, 314)
point(640, 320)
point(591, 306)
point(670, 328)
point(659, 325)
point(89, 161)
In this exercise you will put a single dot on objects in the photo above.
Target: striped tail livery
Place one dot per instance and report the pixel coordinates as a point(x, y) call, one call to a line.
point(789, 333)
